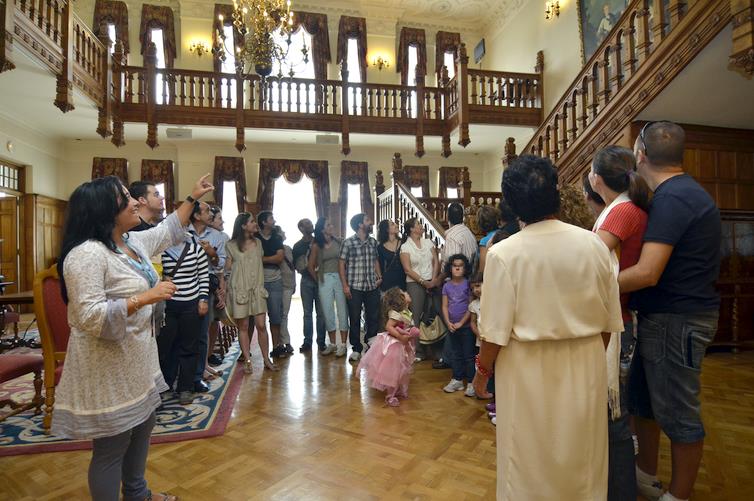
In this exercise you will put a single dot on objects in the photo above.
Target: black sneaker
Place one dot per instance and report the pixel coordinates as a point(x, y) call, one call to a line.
point(289, 349)
point(440, 364)
point(215, 360)
point(305, 348)
point(278, 351)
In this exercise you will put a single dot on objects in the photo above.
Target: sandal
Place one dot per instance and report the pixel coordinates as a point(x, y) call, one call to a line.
point(165, 497)
point(247, 368)
point(270, 365)
point(392, 401)
point(213, 373)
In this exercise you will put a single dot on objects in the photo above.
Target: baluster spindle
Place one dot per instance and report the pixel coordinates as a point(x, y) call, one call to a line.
point(594, 103)
point(630, 46)
point(605, 79)
point(473, 89)
point(573, 131)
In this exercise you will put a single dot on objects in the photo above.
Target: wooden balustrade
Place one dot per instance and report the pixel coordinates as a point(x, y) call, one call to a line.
point(47, 15)
point(409, 206)
point(505, 89)
point(89, 61)
point(623, 62)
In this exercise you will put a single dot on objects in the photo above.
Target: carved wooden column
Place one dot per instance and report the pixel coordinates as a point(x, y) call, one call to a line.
point(419, 113)
point(644, 47)
point(742, 54)
point(540, 69)
point(150, 65)
point(64, 87)
point(379, 189)
point(464, 187)
point(444, 82)
point(119, 60)
point(462, 62)
point(510, 153)
point(106, 110)
point(345, 147)
point(398, 176)
point(6, 35)
point(240, 129)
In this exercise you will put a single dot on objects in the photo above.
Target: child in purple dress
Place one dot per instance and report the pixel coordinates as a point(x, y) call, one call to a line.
point(455, 311)
point(387, 364)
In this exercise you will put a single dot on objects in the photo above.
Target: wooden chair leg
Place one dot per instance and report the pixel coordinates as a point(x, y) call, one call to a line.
point(37, 392)
point(49, 405)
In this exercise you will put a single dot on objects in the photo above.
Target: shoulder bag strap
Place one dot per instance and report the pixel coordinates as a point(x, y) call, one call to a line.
point(179, 262)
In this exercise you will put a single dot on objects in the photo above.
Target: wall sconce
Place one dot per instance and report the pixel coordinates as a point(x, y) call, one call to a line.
point(552, 9)
point(379, 62)
point(199, 47)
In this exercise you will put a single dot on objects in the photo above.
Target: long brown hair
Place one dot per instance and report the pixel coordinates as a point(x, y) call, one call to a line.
point(239, 233)
point(617, 166)
point(393, 300)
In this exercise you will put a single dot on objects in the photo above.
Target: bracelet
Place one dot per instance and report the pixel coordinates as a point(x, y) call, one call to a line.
point(135, 301)
point(481, 370)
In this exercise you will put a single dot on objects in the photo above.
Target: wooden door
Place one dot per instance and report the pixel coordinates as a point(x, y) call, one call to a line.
point(9, 246)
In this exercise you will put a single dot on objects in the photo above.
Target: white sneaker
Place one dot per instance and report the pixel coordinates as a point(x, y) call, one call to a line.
point(355, 356)
point(648, 486)
point(341, 351)
point(329, 350)
point(454, 385)
point(494, 420)
point(470, 391)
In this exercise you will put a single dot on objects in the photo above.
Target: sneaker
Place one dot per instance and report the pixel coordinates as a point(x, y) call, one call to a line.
point(494, 420)
point(305, 348)
point(440, 364)
point(185, 398)
point(341, 351)
point(276, 352)
point(648, 485)
point(329, 350)
point(470, 390)
point(215, 360)
point(490, 407)
point(454, 385)
point(491, 415)
point(288, 349)
point(355, 356)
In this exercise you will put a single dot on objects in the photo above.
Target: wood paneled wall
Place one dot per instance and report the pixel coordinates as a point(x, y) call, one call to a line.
point(42, 234)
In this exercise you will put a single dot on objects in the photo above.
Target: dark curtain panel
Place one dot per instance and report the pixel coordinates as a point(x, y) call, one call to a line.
point(160, 171)
point(116, 12)
point(354, 173)
point(117, 167)
point(449, 178)
point(417, 176)
point(445, 41)
point(316, 26)
point(409, 37)
point(227, 12)
point(230, 169)
point(272, 168)
point(155, 16)
point(353, 27)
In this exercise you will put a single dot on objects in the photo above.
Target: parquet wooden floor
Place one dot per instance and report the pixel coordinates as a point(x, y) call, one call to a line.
point(311, 431)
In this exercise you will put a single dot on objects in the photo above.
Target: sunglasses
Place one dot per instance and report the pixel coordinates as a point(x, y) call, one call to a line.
point(641, 136)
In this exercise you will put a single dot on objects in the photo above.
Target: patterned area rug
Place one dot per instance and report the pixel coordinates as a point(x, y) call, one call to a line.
point(206, 417)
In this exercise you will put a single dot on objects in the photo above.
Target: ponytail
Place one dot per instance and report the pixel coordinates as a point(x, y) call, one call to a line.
point(616, 165)
point(638, 190)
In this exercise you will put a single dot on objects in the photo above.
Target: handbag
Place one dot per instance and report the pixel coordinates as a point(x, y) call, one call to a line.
point(432, 333)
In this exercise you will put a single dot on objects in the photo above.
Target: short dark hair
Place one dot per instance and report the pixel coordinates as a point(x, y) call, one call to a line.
point(262, 217)
point(589, 191)
point(499, 236)
point(301, 222)
point(455, 213)
point(487, 218)
point(356, 221)
point(458, 257)
point(663, 143)
point(506, 214)
point(196, 209)
point(530, 186)
point(140, 189)
point(215, 210)
point(478, 278)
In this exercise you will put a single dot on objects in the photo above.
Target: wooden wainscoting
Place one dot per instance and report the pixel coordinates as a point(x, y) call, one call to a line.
point(43, 219)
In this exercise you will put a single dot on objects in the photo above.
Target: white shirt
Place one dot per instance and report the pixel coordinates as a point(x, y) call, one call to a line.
point(421, 258)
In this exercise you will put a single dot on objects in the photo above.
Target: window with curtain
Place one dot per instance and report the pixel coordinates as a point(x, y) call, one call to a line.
point(448, 59)
point(111, 36)
point(229, 206)
point(354, 76)
point(412, 60)
point(353, 206)
point(114, 15)
point(300, 99)
point(160, 172)
point(157, 36)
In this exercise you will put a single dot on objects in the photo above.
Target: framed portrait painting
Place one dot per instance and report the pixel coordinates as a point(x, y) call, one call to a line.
point(596, 19)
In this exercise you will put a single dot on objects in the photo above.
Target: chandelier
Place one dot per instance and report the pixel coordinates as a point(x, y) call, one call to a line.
point(257, 22)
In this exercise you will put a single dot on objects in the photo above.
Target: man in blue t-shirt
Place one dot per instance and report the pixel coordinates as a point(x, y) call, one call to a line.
point(677, 306)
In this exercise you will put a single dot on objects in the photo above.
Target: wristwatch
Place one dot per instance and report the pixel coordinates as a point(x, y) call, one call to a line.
point(190, 199)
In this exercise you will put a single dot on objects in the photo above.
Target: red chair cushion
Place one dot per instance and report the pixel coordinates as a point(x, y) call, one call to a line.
point(13, 366)
point(11, 317)
point(57, 313)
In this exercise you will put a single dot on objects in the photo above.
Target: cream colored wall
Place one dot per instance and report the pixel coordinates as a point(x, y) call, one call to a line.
point(37, 153)
point(195, 158)
point(515, 47)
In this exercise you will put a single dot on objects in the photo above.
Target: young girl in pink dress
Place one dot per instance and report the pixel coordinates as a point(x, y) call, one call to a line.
point(387, 364)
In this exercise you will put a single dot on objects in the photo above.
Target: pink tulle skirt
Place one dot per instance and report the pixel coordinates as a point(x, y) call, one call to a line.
point(387, 364)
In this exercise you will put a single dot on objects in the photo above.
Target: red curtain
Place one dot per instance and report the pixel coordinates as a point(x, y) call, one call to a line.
point(272, 168)
point(316, 26)
point(117, 167)
point(115, 12)
point(417, 176)
point(160, 171)
point(445, 41)
point(411, 37)
point(354, 173)
point(230, 169)
point(353, 27)
point(155, 16)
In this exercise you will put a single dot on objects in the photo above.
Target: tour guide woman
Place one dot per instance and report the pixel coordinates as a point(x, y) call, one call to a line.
point(111, 383)
point(549, 293)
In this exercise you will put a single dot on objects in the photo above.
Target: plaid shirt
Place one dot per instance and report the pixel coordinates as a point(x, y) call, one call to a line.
point(360, 257)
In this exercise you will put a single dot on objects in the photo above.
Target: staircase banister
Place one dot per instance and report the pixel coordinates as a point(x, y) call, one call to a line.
point(436, 226)
point(586, 70)
point(504, 74)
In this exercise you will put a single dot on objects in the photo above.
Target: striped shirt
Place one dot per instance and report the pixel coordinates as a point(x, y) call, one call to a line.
point(460, 240)
point(192, 278)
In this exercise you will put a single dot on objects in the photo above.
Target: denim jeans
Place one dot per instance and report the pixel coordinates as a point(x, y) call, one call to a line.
point(370, 300)
point(203, 342)
point(464, 350)
point(331, 296)
point(621, 478)
point(275, 301)
point(310, 301)
point(664, 380)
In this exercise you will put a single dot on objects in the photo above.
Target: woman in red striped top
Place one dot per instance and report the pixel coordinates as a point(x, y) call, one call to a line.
point(621, 225)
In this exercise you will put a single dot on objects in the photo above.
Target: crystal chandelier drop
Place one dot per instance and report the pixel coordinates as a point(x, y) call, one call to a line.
point(256, 21)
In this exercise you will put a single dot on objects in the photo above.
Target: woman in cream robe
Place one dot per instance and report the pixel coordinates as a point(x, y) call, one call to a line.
point(549, 292)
